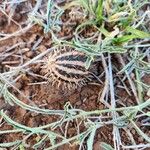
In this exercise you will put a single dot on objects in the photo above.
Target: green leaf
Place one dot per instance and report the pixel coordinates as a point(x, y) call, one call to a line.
point(90, 50)
point(99, 11)
point(88, 62)
point(104, 31)
point(127, 20)
point(123, 39)
point(90, 140)
point(113, 49)
point(138, 33)
point(106, 146)
point(134, 34)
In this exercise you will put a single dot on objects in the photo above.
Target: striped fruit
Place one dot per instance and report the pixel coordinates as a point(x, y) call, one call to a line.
point(66, 67)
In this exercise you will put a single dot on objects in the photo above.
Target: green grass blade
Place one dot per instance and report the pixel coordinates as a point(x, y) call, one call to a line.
point(138, 33)
point(90, 140)
point(99, 11)
point(106, 146)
